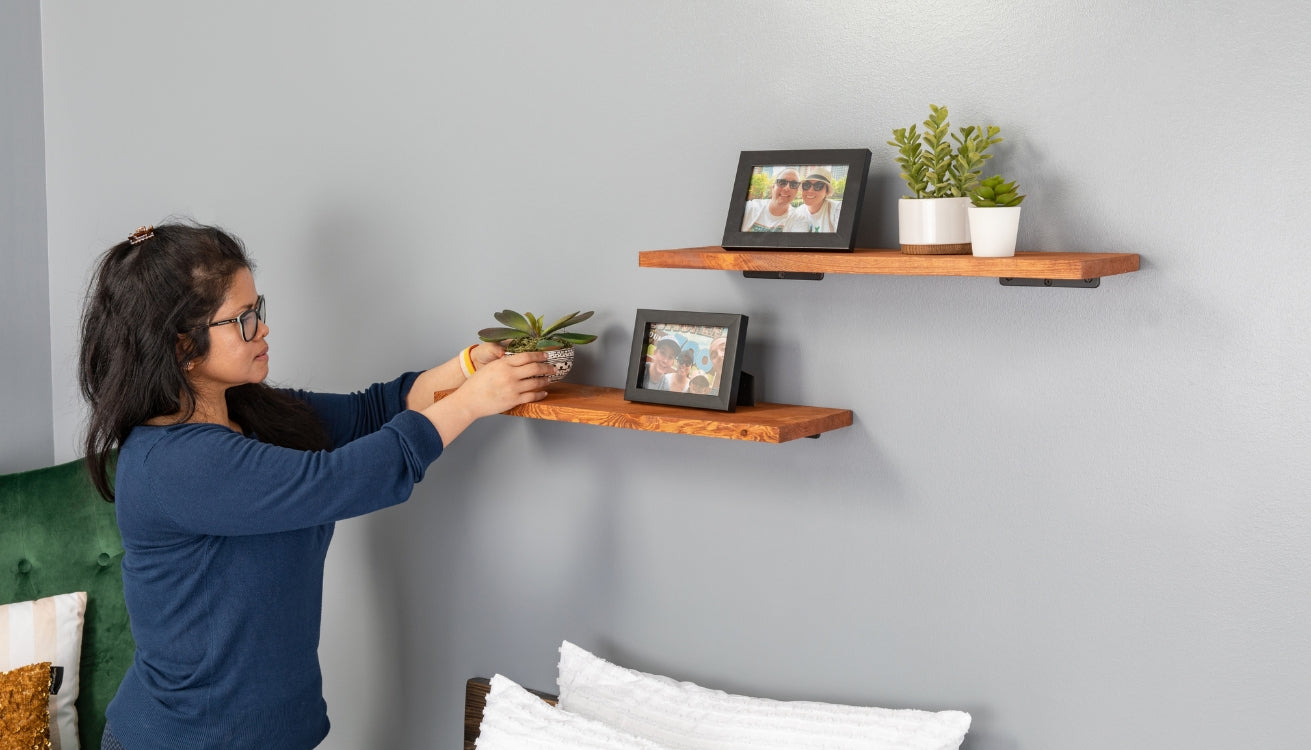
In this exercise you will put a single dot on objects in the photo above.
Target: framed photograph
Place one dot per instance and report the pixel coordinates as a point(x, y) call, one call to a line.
point(686, 359)
point(797, 200)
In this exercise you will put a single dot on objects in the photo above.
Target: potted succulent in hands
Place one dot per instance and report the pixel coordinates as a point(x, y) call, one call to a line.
point(995, 217)
point(932, 220)
point(526, 333)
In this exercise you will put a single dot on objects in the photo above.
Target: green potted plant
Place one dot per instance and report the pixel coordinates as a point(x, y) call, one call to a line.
point(994, 217)
point(527, 333)
point(932, 219)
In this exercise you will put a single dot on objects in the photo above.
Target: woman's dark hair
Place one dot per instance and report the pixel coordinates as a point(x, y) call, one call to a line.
point(139, 332)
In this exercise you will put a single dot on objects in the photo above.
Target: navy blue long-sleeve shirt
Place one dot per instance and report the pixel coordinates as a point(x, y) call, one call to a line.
point(224, 543)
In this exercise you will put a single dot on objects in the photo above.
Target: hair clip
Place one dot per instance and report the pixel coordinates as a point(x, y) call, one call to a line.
point(141, 235)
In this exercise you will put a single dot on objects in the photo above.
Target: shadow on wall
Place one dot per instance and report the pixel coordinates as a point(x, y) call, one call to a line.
point(482, 550)
point(878, 210)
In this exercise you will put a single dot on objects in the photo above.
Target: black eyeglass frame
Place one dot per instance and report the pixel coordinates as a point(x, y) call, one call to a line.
point(257, 311)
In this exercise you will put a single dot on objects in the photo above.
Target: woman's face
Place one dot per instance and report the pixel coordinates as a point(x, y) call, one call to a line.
point(231, 361)
point(814, 197)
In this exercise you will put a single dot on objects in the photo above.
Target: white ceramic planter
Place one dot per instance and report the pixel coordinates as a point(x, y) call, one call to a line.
point(993, 230)
point(933, 226)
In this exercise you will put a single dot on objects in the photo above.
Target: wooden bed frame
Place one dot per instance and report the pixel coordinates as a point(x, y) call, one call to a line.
point(475, 700)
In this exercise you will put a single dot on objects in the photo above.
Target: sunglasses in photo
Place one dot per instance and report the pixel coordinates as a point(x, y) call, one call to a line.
point(249, 320)
point(815, 185)
point(787, 183)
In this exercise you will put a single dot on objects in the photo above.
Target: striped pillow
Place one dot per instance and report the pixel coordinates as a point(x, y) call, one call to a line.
point(686, 716)
point(515, 719)
point(48, 629)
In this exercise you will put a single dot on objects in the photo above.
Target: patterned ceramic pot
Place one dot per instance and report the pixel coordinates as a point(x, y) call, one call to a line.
point(562, 360)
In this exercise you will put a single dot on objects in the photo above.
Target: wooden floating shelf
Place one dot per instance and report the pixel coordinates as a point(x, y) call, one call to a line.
point(1024, 265)
point(598, 405)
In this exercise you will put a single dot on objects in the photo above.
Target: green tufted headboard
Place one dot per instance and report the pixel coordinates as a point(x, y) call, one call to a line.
point(58, 536)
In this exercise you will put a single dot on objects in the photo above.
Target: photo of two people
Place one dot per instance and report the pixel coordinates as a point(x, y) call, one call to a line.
point(795, 198)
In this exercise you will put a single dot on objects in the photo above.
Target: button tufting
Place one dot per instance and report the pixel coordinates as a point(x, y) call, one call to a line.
point(103, 560)
point(24, 566)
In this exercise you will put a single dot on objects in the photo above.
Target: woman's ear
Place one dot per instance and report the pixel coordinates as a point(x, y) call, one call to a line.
point(186, 351)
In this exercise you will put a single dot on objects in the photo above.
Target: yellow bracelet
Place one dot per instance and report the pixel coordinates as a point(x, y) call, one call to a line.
point(466, 361)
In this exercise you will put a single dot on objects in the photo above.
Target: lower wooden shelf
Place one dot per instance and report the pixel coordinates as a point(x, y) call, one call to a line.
point(598, 405)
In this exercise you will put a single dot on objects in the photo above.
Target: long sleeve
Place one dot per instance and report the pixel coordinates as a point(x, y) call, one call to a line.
point(353, 415)
point(225, 539)
point(206, 479)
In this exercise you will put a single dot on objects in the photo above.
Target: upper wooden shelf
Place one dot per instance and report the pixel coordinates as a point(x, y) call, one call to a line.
point(597, 405)
point(1024, 265)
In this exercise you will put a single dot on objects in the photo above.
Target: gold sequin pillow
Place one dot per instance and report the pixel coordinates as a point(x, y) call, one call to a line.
point(25, 708)
point(48, 629)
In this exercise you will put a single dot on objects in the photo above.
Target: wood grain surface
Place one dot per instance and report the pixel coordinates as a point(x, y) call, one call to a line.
point(1024, 265)
point(599, 405)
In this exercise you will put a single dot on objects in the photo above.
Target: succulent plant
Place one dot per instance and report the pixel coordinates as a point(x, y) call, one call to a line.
point(995, 192)
point(526, 333)
point(929, 164)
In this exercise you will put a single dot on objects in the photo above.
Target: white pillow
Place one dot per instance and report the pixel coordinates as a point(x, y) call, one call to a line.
point(515, 719)
point(682, 715)
point(48, 629)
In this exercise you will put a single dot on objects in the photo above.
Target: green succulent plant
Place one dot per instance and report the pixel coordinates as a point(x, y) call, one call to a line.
point(929, 164)
point(995, 192)
point(526, 333)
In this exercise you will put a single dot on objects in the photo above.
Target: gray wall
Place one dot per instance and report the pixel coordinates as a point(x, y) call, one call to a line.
point(27, 440)
point(1080, 515)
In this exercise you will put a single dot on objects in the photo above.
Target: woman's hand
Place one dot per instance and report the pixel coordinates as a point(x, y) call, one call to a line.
point(502, 383)
point(485, 354)
point(449, 375)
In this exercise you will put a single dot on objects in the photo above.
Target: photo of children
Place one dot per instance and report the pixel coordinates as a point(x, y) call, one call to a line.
point(683, 358)
point(795, 198)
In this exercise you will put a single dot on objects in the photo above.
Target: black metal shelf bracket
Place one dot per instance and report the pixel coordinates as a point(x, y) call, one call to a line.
point(1067, 283)
point(789, 275)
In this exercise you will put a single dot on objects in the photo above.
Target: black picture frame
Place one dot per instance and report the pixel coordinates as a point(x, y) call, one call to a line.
point(852, 163)
point(697, 332)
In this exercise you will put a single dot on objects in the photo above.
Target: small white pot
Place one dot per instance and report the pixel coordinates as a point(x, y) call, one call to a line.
point(933, 226)
point(993, 230)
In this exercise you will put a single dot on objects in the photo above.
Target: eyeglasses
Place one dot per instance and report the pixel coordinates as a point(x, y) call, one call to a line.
point(787, 183)
point(816, 185)
point(249, 320)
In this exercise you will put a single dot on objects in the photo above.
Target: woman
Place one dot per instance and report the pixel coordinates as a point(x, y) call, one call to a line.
point(227, 489)
point(817, 213)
